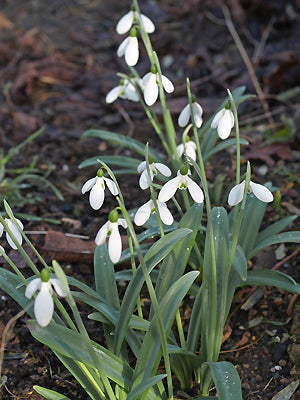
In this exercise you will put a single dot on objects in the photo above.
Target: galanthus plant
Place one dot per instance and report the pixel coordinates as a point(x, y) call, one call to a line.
point(178, 256)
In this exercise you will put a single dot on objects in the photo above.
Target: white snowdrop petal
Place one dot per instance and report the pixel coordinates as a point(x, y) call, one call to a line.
point(16, 233)
point(32, 287)
point(165, 214)
point(143, 213)
point(168, 190)
point(113, 94)
point(236, 194)
point(130, 92)
point(115, 244)
point(1, 229)
point(19, 223)
point(122, 48)
point(261, 192)
point(146, 78)
point(102, 233)
point(2, 249)
point(195, 190)
point(43, 305)
point(151, 90)
point(122, 222)
point(132, 51)
point(58, 287)
point(163, 169)
point(148, 24)
point(167, 84)
point(197, 111)
point(225, 126)
point(141, 167)
point(184, 116)
point(97, 195)
point(217, 118)
point(190, 151)
point(180, 150)
point(144, 181)
point(111, 186)
point(125, 23)
point(88, 185)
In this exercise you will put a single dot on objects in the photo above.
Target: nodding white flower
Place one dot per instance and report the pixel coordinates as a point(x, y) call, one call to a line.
point(125, 90)
point(223, 121)
point(182, 182)
point(111, 230)
point(15, 230)
point(185, 114)
point(43, 303)
point(237, 193)
point(151, 82)
point(143, 213)
point(144, 181)
point(189, 148)
point(97, 186)
point(130, 49)
point(126, 22)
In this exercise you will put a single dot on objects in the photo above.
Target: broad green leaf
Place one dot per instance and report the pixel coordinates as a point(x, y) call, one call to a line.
point(123, 141)
point(270, 277)
point(226, 380)
point(120, 161)
point(145, 385)
point(135, 322)
point(155, 232)
point(275, 228)
point(239, 262)
point(285, 237)
point(155, 254)
point(150, 353)
point(287, 392)
point(50, 394)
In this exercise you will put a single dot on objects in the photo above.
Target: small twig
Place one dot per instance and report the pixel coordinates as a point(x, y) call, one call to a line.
point(259, 49)
point(247, 62)
point(127, 118)
point(294, 253)
point(291, 304)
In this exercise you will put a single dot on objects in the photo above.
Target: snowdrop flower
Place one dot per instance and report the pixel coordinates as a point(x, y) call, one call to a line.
point(223, 121)
point(130, 49)
point(111, 230)
point(185, 114)
point(144, 181)
point(125, 90)
point(126, 22)
point(143, 213)
point(189, 148)
point(151, 82)
point(237, 193)
point(15, 230)
point(97, 186)
point(43, 303)
point(182, 182)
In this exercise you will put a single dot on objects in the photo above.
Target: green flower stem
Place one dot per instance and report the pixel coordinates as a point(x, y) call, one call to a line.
point(64, 313)
point(133, 265)
point(237, 132)
point(152, 297)
point(144, 34)
point(210, 345)
point(180, 330)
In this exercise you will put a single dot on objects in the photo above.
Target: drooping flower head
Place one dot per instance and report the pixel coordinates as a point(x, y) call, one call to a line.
point(143, 213)
point(237, 193)
point(151, 83)
point(144, 181)
point(189, 148)
point(15, 229)
point(223, 121)
point(111, 230)
point(185, 114)
point(181, 182)
point(97, 186)
point(130, 49)
point(43, 303)
point(132, 17)
point(125, 90)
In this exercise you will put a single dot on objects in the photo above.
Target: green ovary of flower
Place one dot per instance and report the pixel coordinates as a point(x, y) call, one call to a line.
point(45, 275)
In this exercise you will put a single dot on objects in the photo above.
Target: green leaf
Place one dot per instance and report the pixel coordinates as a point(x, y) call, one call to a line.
point(123, 141)
point(145, 385)
point(274, 229)
point(270, 277)
point(155, 254)
point(226, 380)
point(239, 262)
point(120, 161)
point(285, 237)
point(50, 394)
point(223, 146)
point(287, 392)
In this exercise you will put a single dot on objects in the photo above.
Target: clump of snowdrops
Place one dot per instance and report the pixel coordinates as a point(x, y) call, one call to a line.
point(189, 260)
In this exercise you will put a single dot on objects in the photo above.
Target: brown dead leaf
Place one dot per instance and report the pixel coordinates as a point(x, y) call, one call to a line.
point(18, 259)
point(264, 152)
point(24, 123)
point(5, 23)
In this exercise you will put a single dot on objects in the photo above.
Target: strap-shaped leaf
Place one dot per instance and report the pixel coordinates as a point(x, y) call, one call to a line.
point(145, 385)
point(123, 141)
point(275, 228)
point(155, 254)
point(239, 262)
point(120, 161)
point(223, 146)
point(270, 277)
point(50, 394)
point(285, 237)
point(226, 380)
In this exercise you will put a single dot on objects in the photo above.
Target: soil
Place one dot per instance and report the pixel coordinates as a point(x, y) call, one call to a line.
point(57, 63)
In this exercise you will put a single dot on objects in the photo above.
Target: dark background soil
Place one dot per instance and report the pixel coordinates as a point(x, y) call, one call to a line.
point(58, 61)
